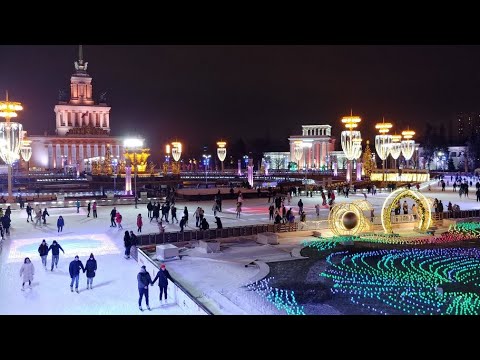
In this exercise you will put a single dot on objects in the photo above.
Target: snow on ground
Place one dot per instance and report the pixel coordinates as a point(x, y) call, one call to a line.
point(219, 278)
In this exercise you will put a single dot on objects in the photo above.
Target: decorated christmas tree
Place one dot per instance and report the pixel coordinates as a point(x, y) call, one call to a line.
point(368, 163)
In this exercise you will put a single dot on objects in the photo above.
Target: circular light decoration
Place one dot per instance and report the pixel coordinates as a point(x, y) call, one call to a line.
point(221, 150)
point(348, 218)
point(423, 209)
point(298, 149)
point(176, 150)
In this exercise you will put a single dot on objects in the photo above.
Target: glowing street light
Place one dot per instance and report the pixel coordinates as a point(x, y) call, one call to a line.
point(206, 162)
point(298, 151)
point(11, 137)
point(396, 148)
point(176, 150)
point(408, 145)
point(221, 151)
point(351, 141)
point(383, 143)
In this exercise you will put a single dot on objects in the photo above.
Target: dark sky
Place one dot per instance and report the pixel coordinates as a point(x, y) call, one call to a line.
point(202, 93)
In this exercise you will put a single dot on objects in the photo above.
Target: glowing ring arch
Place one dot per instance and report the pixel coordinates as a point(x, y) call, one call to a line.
point(423, 209)
point(335, 218)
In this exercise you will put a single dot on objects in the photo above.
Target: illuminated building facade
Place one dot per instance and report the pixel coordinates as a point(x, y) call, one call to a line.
point(317, 142)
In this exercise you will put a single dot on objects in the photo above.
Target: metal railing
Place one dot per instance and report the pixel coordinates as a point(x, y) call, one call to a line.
point(456, 214)
point(210, 234)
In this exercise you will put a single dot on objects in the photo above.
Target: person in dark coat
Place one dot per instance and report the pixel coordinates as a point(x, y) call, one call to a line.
point(43, 251)
point(133, 239)
point(113, 214)
point(55, 247)
point(44, 216)
point(8, 212)
point(6, 224)
point(182, 223)
point(90, 269)
point(143, 279)
point(74, 270)
point(185, 215)
point(29, 212)
point(128, 244)
point(88, 209)
point(205, 225)
point(60, 223)
point(163, 275)
point(149, 209)
point(218, 222)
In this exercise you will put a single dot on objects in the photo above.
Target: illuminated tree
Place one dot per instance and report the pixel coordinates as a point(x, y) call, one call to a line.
point(367, 159)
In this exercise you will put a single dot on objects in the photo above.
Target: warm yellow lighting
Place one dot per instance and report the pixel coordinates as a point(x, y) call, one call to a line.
point(396, 138)
point(221, 144)
point(351, 122)
point(383, 127)
point(8, 108)
point(177, 145)
point(408, 134)
point(167, 149)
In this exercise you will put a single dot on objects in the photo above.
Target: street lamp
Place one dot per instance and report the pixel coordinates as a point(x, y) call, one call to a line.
point(383, 143)
point(206, 161)
point(408, 145)
point(396, 148)
point(351, 141)
point(222, 151)
point(11, 136)
point(135, 144)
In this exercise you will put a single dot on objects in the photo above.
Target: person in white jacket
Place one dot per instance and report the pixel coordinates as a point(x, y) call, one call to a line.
point(27, 271)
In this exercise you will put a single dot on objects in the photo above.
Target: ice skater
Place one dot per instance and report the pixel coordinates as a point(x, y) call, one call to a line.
point(127, 242)
point(90, 268)
point(43, 251)
point(78, 206)
point(28, 209)
point(55, 247)
point(27, 271)
point(139, 223)
point(88, 208)
point(60, 223)
point(144, 280)
point(94, 206)
point(163, 275)
point(44, 216)
point(74, 270)
point(118, 220)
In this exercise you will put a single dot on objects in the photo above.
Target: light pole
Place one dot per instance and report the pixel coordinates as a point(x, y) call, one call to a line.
point(115, 165)
point(222, 151)
point(408, 145)
point(206, 161)
point(176, 153)
point(351, 141)
point(383, 143)
point(11, 136)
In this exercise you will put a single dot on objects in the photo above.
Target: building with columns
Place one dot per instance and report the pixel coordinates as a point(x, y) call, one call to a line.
point(317, 144)
point(82, 129)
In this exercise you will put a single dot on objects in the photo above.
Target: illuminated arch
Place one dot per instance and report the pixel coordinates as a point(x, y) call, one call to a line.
point(423, 208)
point(348, 218)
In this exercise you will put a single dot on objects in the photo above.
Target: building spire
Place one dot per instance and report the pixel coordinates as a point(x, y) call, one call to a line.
point(80, 54)
point(80, 65)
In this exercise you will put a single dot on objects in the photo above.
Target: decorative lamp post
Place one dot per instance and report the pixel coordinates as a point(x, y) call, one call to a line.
point(298, 151)
point(11, 136)
point(176, 153)
point(383, 143)
point(206, 161)
point(351, 141)
point(222, 151)
point(408, 145)
point(396, 148)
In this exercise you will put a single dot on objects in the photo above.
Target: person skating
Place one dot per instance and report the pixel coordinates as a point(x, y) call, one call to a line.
point(144, 280)
point(300, 206)
point(185, 215)
point(149, 209)
point(118, 220)
point(27, 271)
point(74, 270)
point(90, 269)
point(38, 216)
point(204, 225)
point(28, 209)
point(182, 223)
point(60, 223)
point(173, 210)
point(55, 247)
point(88, 208)
point(44, 216)
point(163, 275)
point(78, 206)
point(6, 224)
point(113, 214)
point(139, 223)
point(239, 209)
point(127, 242)
point(133, 239)
point(94, 207)
point(8, 212)
point(43, 251)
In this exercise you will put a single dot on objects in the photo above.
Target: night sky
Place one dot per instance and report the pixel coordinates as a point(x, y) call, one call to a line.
point(200, 94)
